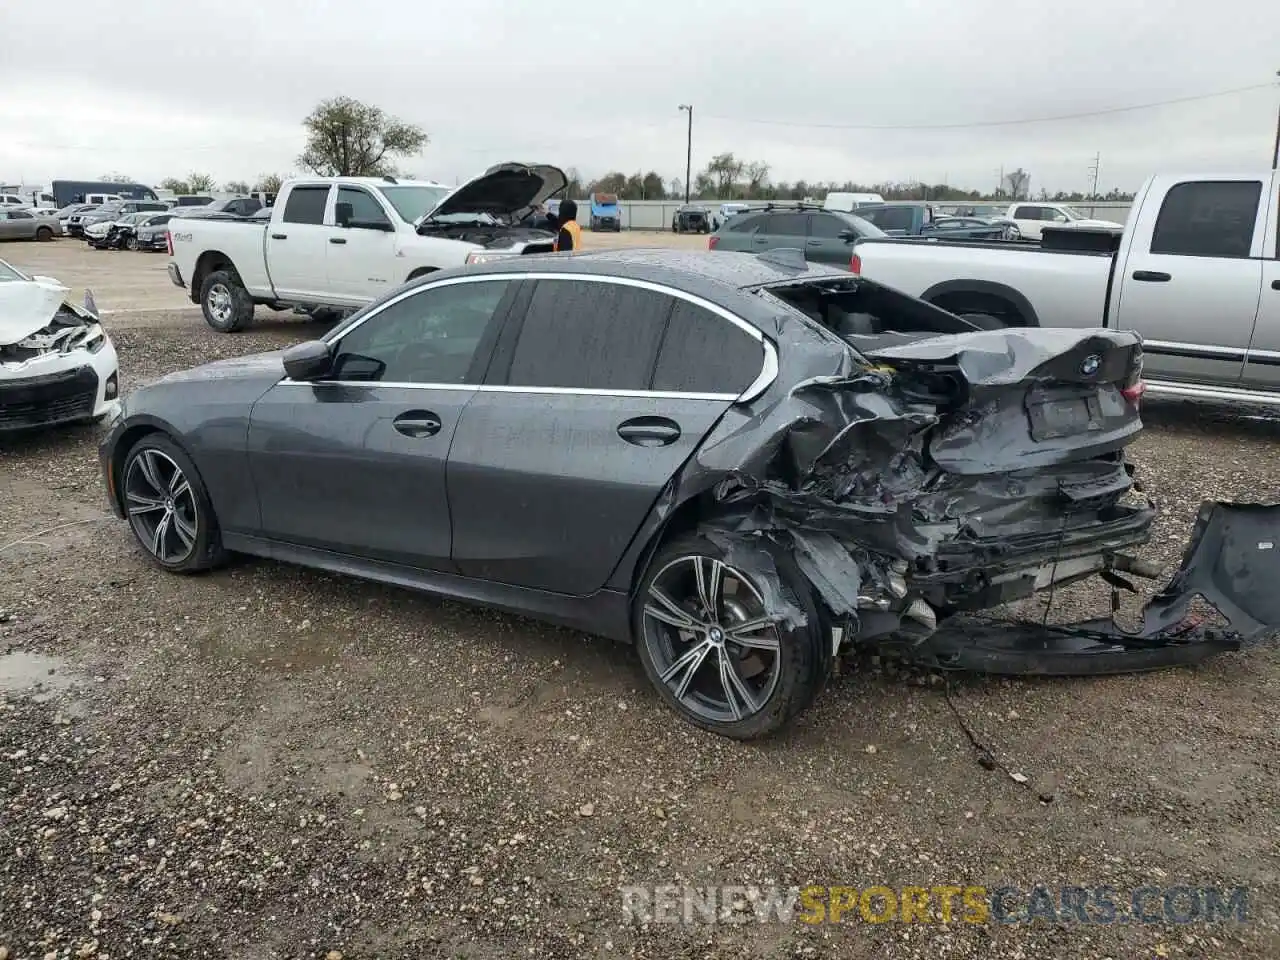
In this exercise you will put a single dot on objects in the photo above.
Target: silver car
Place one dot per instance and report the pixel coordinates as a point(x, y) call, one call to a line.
point(28, 225)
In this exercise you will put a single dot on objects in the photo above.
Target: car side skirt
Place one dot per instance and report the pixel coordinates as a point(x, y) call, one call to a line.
point(605, 612)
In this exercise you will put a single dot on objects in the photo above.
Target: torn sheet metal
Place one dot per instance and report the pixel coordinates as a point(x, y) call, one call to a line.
point(752, 555)
point(1232, 561)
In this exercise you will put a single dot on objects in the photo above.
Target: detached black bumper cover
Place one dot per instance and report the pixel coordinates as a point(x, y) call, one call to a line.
point(1232, 561)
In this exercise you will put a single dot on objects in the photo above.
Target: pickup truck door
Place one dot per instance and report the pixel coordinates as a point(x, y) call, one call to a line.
point(360, 256)
point(1262, 366)
point(296, 245)
point(1190, 279)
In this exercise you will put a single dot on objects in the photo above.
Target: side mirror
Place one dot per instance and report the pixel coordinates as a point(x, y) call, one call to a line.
point(848, 235)
point(308, 361)
point(342, 214)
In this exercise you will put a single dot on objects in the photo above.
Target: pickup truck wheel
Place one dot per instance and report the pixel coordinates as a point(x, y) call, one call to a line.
point(226, 304)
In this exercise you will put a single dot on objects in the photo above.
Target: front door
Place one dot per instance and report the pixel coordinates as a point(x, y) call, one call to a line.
point(593, 403)
point(297, 244)
point(1191, 281)
point(1262, 368)
point(355, 463)
point(360, 256)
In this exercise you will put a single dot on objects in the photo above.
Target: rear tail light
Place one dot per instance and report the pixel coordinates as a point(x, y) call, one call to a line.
point(712, 241)
point(1133, 393)
point(168, 242)
point(855, 264)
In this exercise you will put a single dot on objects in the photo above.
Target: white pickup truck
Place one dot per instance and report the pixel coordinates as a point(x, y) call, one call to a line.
point(336, 243)
point(1196, 274)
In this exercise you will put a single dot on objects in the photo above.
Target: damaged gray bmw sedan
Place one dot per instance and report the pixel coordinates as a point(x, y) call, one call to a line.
point(748, 465)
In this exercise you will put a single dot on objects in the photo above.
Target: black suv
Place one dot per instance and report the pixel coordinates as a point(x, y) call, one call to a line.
point(825, 236)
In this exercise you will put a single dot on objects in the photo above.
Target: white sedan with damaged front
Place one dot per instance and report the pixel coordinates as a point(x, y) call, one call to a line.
point(57, 364)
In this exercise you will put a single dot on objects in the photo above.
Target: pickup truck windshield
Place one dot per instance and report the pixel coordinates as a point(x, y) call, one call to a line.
point(411, 202)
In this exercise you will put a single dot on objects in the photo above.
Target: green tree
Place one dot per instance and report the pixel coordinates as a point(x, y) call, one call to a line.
point(347, 138)
point(270, 182)
point(757, 175)
point(613, 182)
point(199, 182)
point(654, 186)
point(176, 185)
point(236, 186)
point(724, 170)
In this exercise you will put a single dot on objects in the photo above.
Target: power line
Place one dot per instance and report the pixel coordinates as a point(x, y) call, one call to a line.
point(992, 123)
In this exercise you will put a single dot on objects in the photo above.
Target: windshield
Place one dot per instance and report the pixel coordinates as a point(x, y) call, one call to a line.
point(11, 273)
point(865, 228)
point(412, 202)
point(1074, 214)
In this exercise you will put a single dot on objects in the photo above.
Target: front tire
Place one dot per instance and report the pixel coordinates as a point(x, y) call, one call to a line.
point(713, 648)
point(168, 508)
point(131, 244)
point(44, 234)
point(225, 303)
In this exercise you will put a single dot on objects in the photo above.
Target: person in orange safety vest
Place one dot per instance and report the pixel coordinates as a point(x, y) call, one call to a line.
point(569, 234)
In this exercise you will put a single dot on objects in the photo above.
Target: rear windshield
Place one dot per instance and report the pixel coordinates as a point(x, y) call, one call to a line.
point(851, 308)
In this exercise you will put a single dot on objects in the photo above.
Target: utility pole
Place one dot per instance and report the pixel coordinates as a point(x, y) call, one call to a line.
point(688, 156)
point(1093, 170)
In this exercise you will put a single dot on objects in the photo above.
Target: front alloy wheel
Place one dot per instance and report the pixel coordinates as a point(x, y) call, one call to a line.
point(161, 506)
point(715, 650)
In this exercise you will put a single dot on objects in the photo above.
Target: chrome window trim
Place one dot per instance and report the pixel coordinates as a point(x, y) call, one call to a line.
point(494, 388)
point(1203, 348)
point(768, 368)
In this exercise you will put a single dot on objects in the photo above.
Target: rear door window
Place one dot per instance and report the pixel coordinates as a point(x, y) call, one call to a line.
point(705, 353)
point(306, 205)
point(744, 223)
point(787, 224)
point(1207, 219)
point(588, 335)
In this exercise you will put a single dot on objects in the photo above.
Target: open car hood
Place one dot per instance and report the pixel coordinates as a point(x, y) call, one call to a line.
point(27, 306)
point(505, 191)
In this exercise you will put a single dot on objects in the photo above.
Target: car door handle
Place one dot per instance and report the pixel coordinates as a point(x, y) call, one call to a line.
point(1152, 276)
point(279, 236)
point(417, 423)
point(649, 431)
point(337, 239)
point(813, 243)
point(759, 239)
point(1275, 284)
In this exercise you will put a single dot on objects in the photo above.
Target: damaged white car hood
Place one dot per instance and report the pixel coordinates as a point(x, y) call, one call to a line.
point(27, 306)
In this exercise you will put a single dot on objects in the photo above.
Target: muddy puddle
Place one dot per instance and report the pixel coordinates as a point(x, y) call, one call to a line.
point(36, 674)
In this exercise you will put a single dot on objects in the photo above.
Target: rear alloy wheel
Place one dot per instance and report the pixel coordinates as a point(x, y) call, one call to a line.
point(226, 304)
point(714, 650)
point(168, 508)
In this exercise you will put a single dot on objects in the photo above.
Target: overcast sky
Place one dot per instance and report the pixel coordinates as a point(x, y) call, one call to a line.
point(155, 89)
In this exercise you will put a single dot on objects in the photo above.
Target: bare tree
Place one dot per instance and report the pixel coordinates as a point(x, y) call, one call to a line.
point(1017, 181)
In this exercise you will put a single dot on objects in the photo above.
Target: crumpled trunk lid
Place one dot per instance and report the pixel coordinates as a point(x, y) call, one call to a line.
point(1020, 399)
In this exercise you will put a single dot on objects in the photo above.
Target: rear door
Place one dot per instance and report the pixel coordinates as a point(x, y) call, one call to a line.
point(1262, 368)
point(1192, 278)
point(297, 244)
point(355, 463)
point(781, 229)
point(594, 400)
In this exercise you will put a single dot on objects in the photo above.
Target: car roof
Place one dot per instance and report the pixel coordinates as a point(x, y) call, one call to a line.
point(721, 278)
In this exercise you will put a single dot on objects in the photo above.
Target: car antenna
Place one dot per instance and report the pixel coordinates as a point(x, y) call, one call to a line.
point(790, 257)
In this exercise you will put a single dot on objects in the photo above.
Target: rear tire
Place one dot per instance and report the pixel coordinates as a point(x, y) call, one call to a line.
point(745, 683)
point(225, 303)
point(44, 234)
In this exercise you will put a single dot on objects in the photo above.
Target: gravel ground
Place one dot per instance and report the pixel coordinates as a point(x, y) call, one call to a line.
point(272, 762)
